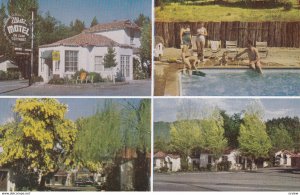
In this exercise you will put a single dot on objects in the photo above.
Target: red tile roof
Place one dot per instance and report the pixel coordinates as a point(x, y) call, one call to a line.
point(115, 25)
point(295, 155)
point(86, 39)
point(160, 154)
point(173, 156)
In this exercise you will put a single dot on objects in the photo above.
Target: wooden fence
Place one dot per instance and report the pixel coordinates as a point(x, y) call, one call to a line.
point(277, 34)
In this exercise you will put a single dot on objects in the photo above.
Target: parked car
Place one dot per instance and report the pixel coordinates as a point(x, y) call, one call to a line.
point(84, 182)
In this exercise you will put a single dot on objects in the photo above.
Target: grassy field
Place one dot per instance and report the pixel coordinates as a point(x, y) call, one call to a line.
point(176, 12)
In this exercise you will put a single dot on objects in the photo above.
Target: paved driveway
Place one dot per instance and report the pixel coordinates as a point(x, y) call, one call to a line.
point(268, 179)
point(133, 88)
point(10, 86)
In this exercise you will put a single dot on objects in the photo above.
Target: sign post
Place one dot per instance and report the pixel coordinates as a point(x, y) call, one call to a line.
point(16, 30)
point(31, 64)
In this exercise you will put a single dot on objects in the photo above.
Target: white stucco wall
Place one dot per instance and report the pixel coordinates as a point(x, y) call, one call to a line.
point(159, 163)
point(176, 165)
point(86, 61)
point(123, 37)
point(203, 160)
point(3, 66)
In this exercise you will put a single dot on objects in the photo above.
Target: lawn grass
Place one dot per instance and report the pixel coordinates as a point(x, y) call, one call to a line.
point(176, 12)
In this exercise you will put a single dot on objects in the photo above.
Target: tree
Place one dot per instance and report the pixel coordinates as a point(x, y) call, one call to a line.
point(99, 137)
point(254, 141)
point(231, 128)
point(185, 136)
point(213, 131)
point(141, 20)
point(110, 58)
point(292, 126)
point(94, 22)
point(42, 140)
point(145, 48)
point(78, 26)
point(5, 47)
point(280, 139)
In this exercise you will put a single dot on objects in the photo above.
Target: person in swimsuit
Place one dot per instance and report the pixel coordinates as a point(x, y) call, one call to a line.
point(254, 60)
point(185, 39)
point(200, 41)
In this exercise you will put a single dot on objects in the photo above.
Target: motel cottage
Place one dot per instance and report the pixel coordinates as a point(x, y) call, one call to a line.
point(87, 50)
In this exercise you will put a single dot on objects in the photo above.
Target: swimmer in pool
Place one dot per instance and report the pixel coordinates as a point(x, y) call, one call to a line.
point(254, 60)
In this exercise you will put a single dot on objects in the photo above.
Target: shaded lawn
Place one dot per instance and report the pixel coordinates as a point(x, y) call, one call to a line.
point(180, 13)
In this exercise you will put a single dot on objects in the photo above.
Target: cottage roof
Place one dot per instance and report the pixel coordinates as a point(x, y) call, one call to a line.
point(86, 39)
point(295, 155)
point(160, 154)
point(175, 156)
point(115, 25)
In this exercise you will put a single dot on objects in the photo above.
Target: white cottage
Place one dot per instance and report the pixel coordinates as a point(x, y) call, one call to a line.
point(283, 158)
point(7, 182)
point(170, 161)
point(87, 50)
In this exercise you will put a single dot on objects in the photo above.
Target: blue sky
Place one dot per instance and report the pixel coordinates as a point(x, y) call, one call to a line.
point(164, 109)
point(78, 107)
point(105, 10)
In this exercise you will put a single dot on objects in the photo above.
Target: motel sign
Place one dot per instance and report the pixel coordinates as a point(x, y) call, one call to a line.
point(16, 30)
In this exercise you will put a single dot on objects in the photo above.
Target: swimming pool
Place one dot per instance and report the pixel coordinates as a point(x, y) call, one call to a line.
point(242, 82)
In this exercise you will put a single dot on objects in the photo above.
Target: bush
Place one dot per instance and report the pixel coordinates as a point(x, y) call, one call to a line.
point(287, 5)
point(97, 77)
point(224, 166)
point(3, 75)
point(36, 79)
point(13, 75)
point(9, 75)
point(57, 81)
point(164, 169)
point(209, 167)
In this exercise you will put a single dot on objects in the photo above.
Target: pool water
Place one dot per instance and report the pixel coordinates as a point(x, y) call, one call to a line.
point(277, 82)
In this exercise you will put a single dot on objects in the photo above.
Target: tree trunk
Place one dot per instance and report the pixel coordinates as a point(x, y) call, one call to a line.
point(42, 184)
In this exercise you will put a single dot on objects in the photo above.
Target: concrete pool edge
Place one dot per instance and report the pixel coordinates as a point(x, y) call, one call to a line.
point(175, 88)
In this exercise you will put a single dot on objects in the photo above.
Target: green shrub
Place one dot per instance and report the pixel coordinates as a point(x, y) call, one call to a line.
point(36, 79)
point(209, 167)
point(224, 166)
point(13, 75)
point(3, 75)
point(287, 5)
point(96, 76)
point(164, 169)
point(57, 81)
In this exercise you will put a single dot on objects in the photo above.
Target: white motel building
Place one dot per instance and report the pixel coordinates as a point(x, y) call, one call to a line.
point(87, 50)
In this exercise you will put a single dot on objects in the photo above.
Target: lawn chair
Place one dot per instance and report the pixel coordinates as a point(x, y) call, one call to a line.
point(215, 47)
point(82, 77)
point(90, 78)
point(262, 48)
point(231, 49)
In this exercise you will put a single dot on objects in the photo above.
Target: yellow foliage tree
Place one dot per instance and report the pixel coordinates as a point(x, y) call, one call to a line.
point(42, 137)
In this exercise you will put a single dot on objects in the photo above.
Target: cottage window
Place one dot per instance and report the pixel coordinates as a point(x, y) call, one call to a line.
point(99, 66)
point(125, 66)
point(224, 158)
point(71, 61)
